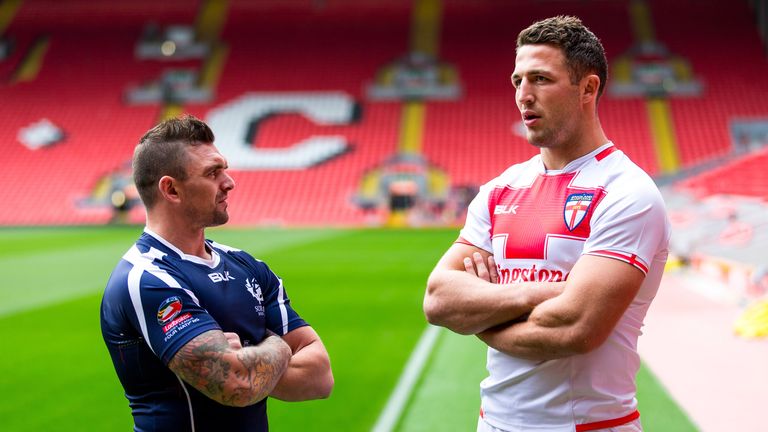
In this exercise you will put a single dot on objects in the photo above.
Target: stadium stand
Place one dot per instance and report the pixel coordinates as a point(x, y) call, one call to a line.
point(735, 83)
point(78, 80)
point(744, 176)
point(78, 88)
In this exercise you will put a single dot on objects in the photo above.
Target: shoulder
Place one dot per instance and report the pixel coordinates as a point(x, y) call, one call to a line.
point(519, 172)
point(148, 267)
point(239, 256)
point(626, 180)
point(234, 253)
point(118, 280)
point(517, 175)
point(630, 194)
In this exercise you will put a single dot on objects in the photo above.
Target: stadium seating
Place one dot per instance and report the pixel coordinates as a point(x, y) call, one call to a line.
point(476, 139)
point(79, 88)
point(732, 66)
point(745, 176)
point(339, 46)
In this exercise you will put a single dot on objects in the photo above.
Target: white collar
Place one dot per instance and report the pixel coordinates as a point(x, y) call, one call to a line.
point(212, 263)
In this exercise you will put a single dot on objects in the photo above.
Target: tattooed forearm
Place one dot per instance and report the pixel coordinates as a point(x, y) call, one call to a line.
point(235, 377)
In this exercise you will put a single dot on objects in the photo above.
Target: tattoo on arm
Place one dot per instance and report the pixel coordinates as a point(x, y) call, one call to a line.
point(231, 377)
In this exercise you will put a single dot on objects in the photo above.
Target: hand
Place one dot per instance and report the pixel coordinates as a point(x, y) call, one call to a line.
point(477, 266)
point(234, 340)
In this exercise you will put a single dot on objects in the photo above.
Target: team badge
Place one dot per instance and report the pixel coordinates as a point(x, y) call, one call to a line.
point(168, 309)
point(576, 207)
point(253, 287)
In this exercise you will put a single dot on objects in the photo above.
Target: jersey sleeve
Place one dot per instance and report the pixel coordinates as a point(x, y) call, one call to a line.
point(477, 228)
point(281, 318)
point(630, 224)
point(168, 313)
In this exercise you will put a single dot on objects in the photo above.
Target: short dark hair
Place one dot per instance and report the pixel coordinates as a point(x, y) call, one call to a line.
point(162, 151)
point(582, 49)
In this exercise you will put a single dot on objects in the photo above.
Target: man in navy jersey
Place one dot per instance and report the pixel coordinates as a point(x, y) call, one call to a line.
point(201, 333)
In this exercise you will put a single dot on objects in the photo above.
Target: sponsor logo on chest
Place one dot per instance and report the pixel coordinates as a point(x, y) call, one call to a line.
point(220, 277)
point(506, 209)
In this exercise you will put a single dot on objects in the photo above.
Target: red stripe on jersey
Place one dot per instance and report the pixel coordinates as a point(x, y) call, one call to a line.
point(605, 424)
point(600, 156)
point(631, 259)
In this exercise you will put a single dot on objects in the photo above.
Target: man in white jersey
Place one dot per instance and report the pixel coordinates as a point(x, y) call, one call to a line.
point(560, 256)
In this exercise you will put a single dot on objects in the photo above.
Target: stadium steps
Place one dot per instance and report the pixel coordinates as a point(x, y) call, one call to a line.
point(663, 131)
point(8, 11)
point(662, 127)
point(30, 65)
point(731, 92)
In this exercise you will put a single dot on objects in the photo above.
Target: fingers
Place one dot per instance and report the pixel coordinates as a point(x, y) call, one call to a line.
point(477, 266)
point(234, 340)
point(469, 267)
point(492, 270)
point(482, 269)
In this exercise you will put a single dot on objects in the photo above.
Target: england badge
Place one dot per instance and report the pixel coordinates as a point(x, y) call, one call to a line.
point(576, 207)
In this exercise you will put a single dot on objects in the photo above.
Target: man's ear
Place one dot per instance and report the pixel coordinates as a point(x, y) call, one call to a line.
point(167, 187)
point(590, 87)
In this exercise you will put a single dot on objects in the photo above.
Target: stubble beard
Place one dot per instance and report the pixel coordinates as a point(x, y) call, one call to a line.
point(219, 217)
point(540, 139)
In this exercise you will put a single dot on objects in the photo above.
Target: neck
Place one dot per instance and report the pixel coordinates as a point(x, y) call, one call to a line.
point(188, 239)
point(557, 157)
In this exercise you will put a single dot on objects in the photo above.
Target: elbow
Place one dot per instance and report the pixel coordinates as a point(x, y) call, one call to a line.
point(319, 383)
point(439, 311)
point(582, 340)
point(438, 314)
point(434, 307)
point(325, 381)
point(325, 387)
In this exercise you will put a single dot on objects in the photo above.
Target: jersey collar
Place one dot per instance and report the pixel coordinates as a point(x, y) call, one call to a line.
point(577, 164)
point(212, 263)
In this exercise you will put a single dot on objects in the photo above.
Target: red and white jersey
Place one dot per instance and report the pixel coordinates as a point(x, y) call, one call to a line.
point(537, 223)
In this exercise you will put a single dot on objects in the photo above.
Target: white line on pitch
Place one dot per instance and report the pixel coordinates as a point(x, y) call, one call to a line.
point(397, 400)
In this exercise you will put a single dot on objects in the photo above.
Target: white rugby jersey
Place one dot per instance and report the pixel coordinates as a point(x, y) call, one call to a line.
point(537, 224)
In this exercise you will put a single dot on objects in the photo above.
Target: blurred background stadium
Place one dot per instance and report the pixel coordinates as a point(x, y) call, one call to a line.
point(357, 132)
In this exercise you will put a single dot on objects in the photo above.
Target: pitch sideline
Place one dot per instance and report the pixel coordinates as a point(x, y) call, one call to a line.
point(390, 416)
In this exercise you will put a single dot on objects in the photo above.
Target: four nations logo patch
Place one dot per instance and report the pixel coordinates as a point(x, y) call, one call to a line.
point(168, 309)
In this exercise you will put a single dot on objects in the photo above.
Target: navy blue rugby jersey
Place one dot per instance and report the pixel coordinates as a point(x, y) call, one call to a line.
point(158, 299)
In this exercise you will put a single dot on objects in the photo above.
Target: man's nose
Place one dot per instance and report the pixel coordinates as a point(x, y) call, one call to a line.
point(524, 93)
point(229, 182)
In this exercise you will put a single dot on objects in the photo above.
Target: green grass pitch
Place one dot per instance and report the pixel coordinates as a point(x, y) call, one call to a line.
point(361, 290)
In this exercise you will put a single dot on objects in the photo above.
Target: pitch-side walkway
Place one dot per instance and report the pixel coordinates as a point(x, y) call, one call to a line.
point(719, 379)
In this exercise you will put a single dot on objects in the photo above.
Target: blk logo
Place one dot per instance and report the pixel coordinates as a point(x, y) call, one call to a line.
point(505, 209)
point(218, 277)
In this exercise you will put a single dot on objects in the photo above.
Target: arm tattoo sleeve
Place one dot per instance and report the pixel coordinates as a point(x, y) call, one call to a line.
point(231, 377)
